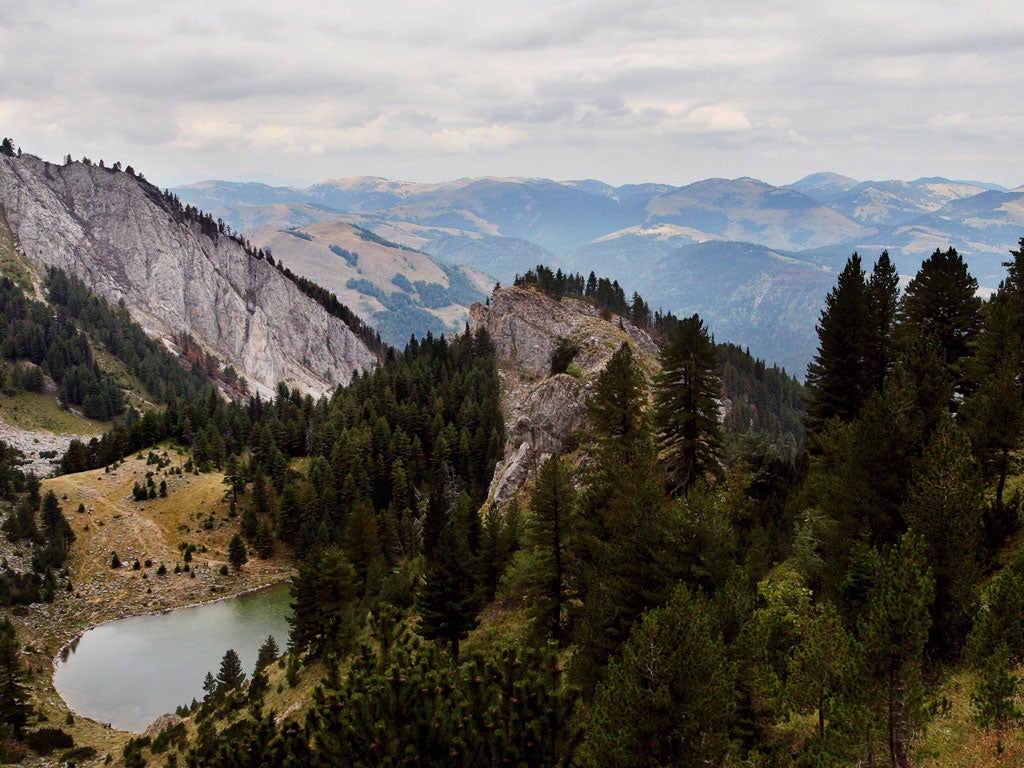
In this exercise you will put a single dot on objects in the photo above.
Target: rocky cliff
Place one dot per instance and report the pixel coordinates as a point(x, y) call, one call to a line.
point(544, 413)
point(119, 234)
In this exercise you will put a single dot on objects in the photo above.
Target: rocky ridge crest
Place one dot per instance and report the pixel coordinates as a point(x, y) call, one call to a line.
point(118, 234)
point(544, 413)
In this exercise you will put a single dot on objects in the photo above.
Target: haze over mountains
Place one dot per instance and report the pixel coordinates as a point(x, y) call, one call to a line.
point(755, 260)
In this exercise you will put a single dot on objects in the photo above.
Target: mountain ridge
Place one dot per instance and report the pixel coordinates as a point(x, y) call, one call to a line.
point(124, 239)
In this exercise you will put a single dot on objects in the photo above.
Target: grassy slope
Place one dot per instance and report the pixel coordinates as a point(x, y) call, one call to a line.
point(152, 529)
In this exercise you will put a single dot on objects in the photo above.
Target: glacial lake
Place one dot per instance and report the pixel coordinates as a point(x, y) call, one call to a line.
point(128, 672)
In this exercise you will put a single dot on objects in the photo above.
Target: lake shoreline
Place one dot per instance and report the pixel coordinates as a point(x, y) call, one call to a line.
point(61, 655)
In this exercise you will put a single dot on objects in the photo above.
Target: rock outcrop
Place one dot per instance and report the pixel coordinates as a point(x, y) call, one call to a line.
point(544, 413)
point(118, 234)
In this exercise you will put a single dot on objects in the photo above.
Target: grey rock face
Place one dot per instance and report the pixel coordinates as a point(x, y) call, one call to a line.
point(547, 414)
point(117, 234)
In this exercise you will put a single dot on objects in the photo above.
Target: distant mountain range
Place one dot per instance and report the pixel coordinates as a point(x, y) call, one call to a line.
point(755, 260)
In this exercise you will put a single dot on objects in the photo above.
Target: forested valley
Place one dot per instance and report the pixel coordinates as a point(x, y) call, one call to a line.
point(715, 577)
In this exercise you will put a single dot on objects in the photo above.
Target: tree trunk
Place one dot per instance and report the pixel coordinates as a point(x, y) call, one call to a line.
point(897, 715)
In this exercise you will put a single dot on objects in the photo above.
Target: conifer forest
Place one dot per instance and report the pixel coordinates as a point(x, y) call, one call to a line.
point(789, 582)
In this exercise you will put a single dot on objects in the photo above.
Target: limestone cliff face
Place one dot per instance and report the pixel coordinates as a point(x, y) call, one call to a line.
point(119, 235)
point(544, 414)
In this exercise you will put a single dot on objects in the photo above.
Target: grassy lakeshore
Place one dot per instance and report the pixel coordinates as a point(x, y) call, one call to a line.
point(105, 518)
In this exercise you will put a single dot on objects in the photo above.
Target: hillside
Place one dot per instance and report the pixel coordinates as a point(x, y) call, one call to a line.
point(397, 290)
point(505, 226)
point(128, 243)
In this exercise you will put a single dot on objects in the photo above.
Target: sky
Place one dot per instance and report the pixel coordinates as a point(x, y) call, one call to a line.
point(626, 91)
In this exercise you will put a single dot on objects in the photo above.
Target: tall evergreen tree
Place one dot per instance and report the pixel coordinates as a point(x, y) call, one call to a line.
point(449, 599)
point(893, 632)
point(669, 699)
point(883, 303)
point(941, 302)
point(552, 510)
point(836, 377)
point(324, 619)
point(15, 709)
point(687, 391)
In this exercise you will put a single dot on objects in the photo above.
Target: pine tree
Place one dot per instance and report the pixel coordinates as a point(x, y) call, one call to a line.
point(268, 653)
point(894, 631)
point(944, 508)
point(994, 696)
point(883, 303)
point(686, 397)
point(230, 675)
point(836, 377)
point(449, 600)
point(941, 302)
point(237, 553)
point(15, 708)
point(669, 699)
point(324, 619)
point(551, 523)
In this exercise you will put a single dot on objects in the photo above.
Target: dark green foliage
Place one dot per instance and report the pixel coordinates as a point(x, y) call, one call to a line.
point(941, 303)
point(268, 653)
point(324, 618)
point(565, 351)
point(45, 740)
point(669, 699)
point(607, 294)
point(401, 706)
point(1000, 622)
point(944, 507)
point(551, 525)
point(237, 553)
point(893, 632)
point(449, 599)
point(761, 399)
point(994, 696)
point(837, 383)
point(686, 407)
point(626, 561)
point(230, 675)
point(15, 708)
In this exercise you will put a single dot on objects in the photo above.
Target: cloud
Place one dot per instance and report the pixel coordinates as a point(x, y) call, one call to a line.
point(633, 87)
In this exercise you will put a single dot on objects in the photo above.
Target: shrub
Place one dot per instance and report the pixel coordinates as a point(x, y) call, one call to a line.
point(45, 740)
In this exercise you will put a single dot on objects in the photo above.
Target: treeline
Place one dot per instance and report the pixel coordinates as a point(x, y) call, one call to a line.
point(146, 359)
point(605, 293)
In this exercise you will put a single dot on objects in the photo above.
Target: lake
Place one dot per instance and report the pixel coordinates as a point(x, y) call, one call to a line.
point(130, 671)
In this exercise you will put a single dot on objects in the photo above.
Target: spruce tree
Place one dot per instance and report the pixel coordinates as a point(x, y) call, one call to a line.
point(836, 377)
point(324, 619)
point(237, 553)
point(686, 395)
point(449, 599)
point(230, 675)
point(941, 302)
point(268, 653)
point(551, 523)
point(15, 708)
point(944, 508)
point(893, 632)
point(883, 303)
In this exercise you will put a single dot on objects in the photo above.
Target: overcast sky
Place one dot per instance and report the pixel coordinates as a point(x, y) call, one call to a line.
point(622, 91)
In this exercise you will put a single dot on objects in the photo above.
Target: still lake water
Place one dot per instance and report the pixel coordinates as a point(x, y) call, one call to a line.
point(130, 671)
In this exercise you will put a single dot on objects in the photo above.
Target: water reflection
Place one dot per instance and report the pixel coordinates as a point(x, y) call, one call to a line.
point(130, 671)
